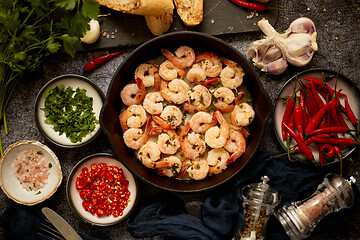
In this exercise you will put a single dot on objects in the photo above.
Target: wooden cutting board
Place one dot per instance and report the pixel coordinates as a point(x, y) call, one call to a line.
point(220, 17)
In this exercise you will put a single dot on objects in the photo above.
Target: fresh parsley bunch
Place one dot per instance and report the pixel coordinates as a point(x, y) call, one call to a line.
point(31, 30)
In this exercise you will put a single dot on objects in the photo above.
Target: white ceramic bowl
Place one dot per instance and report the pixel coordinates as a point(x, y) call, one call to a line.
point(74, 81)
point(11, 185)
point(73, 195)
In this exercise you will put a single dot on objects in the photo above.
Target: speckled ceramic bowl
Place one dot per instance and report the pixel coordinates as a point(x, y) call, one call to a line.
point(12, 186)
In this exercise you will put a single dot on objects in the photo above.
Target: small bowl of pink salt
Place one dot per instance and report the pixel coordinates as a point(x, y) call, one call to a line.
point(30, 172)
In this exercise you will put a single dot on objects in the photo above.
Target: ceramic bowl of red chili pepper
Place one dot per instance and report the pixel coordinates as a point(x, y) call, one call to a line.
point(317, 122)
point(101, 190)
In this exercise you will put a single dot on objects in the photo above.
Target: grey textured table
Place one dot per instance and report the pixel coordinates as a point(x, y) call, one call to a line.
point(338, 28)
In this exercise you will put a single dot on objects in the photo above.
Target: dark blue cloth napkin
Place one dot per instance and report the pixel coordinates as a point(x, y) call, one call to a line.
point(222, 211)
point(21, 222)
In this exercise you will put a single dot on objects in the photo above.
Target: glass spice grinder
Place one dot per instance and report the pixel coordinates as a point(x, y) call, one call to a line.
point(259, 201)
point(300, 218)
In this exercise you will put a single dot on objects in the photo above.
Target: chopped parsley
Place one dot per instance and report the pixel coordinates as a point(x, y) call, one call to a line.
point(70, 111)
point(50, 165)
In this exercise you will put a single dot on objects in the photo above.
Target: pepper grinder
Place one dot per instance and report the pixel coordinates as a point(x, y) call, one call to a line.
point(259, 202)
point(300, 218)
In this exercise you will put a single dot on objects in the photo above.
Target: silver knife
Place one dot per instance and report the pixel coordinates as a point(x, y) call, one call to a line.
point(60, 224)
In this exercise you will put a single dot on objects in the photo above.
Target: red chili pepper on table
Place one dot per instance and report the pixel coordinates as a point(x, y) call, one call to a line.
point(302, 145)
point(248, 5)
point(96, 62)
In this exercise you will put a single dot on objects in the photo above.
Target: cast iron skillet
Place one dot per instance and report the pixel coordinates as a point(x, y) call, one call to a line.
point(152, 49)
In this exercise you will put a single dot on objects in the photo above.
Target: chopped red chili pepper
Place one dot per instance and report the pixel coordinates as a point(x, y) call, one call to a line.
point(96, 189)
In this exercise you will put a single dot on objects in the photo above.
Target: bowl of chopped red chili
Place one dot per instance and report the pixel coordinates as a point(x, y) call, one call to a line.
point(101, 190)
point(316, 117)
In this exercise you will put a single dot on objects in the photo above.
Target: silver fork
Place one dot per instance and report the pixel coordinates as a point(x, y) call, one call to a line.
point(48, 230)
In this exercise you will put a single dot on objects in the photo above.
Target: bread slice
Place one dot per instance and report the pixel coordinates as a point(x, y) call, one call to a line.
point(140, 7)
point(190, 11)
point(159, 24)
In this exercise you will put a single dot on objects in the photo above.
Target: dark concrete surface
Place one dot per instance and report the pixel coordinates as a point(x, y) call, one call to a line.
point(338, 28)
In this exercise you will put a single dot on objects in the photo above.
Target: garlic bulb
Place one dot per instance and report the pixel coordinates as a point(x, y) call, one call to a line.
point(296, 46)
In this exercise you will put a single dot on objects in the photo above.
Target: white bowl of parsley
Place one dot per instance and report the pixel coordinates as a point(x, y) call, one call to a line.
point(67, 110)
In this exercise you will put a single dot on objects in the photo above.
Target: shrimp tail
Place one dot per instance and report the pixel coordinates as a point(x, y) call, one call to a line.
point(142, 93)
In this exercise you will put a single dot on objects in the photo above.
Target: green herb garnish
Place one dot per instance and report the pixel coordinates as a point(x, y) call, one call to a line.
point(30, 31)
point(39, 153)
point(38, 193)
point(70, 111)
point(50, 165)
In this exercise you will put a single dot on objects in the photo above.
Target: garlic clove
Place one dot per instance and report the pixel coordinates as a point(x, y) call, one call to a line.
point(276, 67)
point(273, 53)
point(302, 25)
point(93, 34)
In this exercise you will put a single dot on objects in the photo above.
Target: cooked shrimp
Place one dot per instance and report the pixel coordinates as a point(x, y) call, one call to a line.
point(153, 103)
point(242, 115)
point(192, 144)
point(216, 137)
point(198, 169)
point(232, 75)
point(169, 166)
point(236, 145)
point(169, 72)
point(133, 94)
point(200, 122)
point(184, 56)
point(168, 142)
point(134, 117)
point(170, 118)
point(223, 99)
point(175, 91)
point(149, 154)
point(199, 99)
point(210, 62)
point(135, 137)
point(146, 72)
point(196, 74)
point(217, 160)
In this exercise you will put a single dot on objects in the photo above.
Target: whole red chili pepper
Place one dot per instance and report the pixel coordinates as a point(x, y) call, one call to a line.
point(96, 62)
point(350, 113)
point(317, 98)
point(310, 103)
point(331, 91)
point(315, 81)
point(252, 6)
point(314, 122)
point(291, 124)
point(321, 160)
point(337, 141)
point(298, 117)
point(287, 113)
point(333, 111)
point(303, 108)
point(337, 129)
point(340, 117)
point(302, 145)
